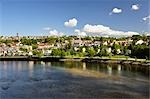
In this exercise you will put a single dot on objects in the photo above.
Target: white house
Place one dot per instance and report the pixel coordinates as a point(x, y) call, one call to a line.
point(96, 43)
point(30, 54)
point(77, 43)
point(118, 51)
point(98, 50)
point(83, 50)
point(105, 43)
point(139, 42)
point(47, 52)
point(108, 50)
point(76, 49)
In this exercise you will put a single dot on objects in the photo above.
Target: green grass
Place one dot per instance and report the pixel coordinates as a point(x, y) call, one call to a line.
point(116, 57)
point(122, 57)
point(119, 56)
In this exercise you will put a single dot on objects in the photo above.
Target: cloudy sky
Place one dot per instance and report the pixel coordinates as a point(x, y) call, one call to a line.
point(74, 17)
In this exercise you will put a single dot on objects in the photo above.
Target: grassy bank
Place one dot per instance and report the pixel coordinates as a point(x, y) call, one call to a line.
point(112, 59)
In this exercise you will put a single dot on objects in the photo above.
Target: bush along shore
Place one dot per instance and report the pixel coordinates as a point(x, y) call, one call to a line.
point(132, 61)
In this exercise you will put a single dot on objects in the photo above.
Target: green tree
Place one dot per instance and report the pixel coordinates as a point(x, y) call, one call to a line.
point(115, 47)
point(56, 52)
point(50, 40)
point(38, 53)
point(103, 52)
point(63, 53)
point(23, 49)
point(91, 52)
point(68, 46)
point(34, 46)
point(140, 51)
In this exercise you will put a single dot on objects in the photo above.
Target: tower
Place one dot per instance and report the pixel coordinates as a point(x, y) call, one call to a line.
point(17, 34)
point(18, 38)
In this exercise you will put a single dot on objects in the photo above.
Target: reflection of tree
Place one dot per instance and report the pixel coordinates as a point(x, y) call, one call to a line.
point(98, 68)
point(43, 66)
point(19, 66)
point(109, 68)
point(5, 71)
point(31, 66)
point(119, 69)
point(49, 64)
point(84, 66)
point(128, 68)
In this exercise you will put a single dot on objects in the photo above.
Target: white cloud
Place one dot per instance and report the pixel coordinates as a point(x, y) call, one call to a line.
point(148, 34)
point(130, 33)
point(95, 28)
point(71, 23)
point(146, 19)
point(116, 10)
point(46, 28)
point(77, 31)
point(135, 7)
point(104, 30)
point(80, 33)
point(55, 33)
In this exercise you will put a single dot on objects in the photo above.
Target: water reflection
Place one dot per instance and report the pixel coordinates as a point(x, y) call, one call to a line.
point(110, 69)
point(119, 69)
point(84, 66)
point(31, 69)
point(31, 66)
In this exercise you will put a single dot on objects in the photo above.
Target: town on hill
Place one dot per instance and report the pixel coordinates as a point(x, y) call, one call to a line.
point(137, 46)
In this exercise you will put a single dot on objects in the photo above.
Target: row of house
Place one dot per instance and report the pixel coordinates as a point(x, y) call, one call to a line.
point(20, 37)
point(80, 42)
point(14, 48)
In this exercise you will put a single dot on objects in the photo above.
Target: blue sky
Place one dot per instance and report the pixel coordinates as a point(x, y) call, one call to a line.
point(30, 17)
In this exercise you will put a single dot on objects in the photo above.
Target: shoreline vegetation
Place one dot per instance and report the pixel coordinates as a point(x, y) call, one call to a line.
point(107, 60)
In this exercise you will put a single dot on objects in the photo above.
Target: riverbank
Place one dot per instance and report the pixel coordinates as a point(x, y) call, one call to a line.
point(106, 60)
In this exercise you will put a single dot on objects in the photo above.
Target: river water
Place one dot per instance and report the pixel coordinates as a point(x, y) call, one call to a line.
point(66, 80)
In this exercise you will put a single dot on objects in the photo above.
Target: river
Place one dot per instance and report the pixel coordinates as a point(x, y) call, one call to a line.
point(66, 80)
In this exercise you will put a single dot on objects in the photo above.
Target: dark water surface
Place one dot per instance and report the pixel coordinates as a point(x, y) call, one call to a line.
point(65, 80)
